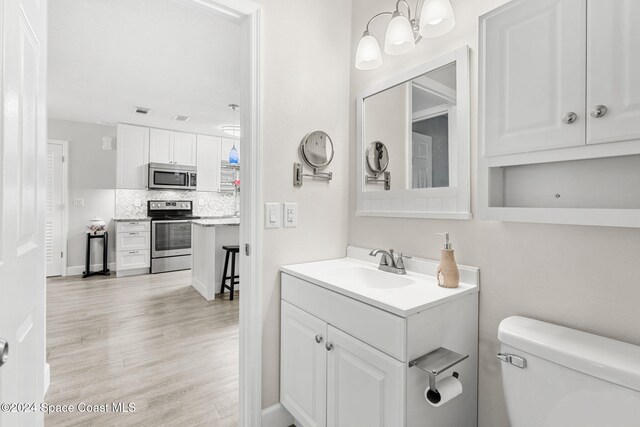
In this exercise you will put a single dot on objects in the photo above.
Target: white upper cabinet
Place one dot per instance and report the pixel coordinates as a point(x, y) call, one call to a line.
point(161, 142)
point(613, 73)
point(208, 163)
point(167, 146)
point(132, 157)
point(184, 149)
point(532, 85)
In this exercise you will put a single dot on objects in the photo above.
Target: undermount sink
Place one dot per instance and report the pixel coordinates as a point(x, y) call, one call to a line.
point(370, 278)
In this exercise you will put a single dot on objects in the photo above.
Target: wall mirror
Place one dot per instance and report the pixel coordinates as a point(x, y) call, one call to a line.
point(416, 124)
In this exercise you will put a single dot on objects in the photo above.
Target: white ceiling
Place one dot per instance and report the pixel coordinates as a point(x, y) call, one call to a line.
point(108, 56)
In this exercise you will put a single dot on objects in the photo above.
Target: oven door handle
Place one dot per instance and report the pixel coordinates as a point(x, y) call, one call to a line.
point(171, 221)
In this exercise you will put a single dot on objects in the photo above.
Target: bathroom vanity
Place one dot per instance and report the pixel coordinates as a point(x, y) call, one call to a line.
point(349, 333)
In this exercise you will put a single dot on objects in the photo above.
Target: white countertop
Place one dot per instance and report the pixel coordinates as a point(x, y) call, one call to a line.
point(212, 222)
point(402, 295)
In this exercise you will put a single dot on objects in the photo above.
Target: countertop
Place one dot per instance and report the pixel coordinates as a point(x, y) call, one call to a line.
point(402, 295)
point(125, 219)
point(212, 222)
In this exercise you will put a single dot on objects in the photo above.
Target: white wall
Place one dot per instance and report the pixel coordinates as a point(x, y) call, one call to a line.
point(92, 177)
point(306, 63)
point(581, 277)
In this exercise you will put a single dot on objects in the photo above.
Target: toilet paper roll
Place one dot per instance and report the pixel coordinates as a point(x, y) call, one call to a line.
point(447, 389)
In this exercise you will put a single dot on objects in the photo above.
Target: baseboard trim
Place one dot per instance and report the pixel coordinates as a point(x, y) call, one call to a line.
point(47, 377)
point(276, 416)
point(77, 270)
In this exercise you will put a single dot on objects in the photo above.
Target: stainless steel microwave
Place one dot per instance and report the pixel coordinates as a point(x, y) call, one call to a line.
point(169, 176)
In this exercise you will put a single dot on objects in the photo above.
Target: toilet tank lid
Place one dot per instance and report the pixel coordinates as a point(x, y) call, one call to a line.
point(614, 361)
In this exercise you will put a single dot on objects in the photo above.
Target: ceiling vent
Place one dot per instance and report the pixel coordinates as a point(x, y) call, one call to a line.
point(141, 110)
point(179, 118)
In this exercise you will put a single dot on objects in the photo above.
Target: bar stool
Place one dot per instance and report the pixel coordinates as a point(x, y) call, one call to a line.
point(233, 251)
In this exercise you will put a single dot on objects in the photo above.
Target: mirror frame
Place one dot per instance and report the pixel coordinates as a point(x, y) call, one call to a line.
point(453, 202)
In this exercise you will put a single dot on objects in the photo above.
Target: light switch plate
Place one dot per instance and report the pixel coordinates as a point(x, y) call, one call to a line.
point(290, 215)
point(137, 203)
point(272, 215)
point(78, 202)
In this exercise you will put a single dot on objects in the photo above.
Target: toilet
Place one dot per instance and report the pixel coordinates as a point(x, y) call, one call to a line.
point(559, 377)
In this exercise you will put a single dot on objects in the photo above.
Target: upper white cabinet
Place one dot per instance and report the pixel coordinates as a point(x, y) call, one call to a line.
point(208, 163)
point(132, 157)
point(613, 73)
point(167, 146)
point(161, 143)
point(559, 112)
point(533, 76)
point(184, 149)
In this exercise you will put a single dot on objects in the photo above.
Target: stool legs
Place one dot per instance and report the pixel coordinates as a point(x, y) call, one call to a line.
point(224, 273)
point(233, 275)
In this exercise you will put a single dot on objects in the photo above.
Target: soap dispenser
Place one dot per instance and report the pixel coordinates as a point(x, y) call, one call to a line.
point(448, 275)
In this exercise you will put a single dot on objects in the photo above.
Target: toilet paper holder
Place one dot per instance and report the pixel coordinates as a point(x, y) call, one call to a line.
point(436, 362)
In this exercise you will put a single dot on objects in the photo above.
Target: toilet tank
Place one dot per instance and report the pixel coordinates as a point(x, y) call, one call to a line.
point(571, 378)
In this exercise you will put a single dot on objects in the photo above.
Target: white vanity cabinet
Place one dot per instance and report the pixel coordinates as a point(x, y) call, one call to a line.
point(132, 156)
point(167, 146)
point(345, 363)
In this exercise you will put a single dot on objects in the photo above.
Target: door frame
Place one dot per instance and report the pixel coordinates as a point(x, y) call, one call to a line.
point(65, 200)
point(249, 13)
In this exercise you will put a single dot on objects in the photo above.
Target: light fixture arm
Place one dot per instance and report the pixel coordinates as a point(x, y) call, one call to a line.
point(374, 17)
point(406, 5)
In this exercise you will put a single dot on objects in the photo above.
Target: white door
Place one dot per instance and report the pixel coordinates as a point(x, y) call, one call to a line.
point(303, 366)
point(161, 145)
point(365, 387)
point(422, 161)
point(54, 205)
point(22, 205)
point(208, 161)
point(132, 155)
point(533, 76)
point(184, 149)
point(613, 72)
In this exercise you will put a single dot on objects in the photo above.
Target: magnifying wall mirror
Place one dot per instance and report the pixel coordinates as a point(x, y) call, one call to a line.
point(316, 149)
point(415, 127)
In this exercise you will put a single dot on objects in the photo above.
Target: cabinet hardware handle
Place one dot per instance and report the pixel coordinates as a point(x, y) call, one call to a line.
point(599, 111)
point(328, 346)
point(569, 117)
point(133, 252)
point(318, 339)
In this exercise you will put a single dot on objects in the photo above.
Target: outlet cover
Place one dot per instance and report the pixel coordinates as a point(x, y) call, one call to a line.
point(78, 202)
point(290, 214)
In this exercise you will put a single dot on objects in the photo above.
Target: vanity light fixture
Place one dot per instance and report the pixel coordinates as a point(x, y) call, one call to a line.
point(403, 32)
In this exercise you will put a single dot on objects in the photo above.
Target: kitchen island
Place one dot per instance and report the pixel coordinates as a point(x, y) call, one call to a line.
point(208, 237)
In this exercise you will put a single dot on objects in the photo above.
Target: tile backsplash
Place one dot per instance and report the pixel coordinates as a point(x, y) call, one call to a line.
point(204, 203)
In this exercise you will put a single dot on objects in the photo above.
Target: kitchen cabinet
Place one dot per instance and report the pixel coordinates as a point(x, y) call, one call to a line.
point(133, 247)
point(132, 157)
point(533, 76)
point(613, 70)
point(208, 163)
point(167, 146)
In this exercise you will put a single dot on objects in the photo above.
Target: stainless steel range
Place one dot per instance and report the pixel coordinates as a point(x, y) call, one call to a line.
point(170, 234)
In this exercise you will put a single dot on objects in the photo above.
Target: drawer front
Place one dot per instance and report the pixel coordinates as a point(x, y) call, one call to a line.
point(132, 241)
point(128, 260)
point(133, 226)
point(384, 331)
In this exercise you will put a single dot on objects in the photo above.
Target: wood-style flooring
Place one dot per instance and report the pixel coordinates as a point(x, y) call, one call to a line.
point(151, 340)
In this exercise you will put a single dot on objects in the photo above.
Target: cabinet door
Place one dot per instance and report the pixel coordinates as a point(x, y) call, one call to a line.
point(613, 72)
point(365, 387)
point(161, 145)
point(129, 260)
point(303, 366)
point(533, 61)
point(184, 149)
point(208, 161)
point(227, 145)
point(132, 157)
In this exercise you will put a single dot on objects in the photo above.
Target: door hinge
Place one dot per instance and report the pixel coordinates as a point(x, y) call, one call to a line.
point(62, 159)
point(61, 254)
point(246, 249)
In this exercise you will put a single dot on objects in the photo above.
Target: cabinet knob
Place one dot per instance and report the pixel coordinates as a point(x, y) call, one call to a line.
point(599, 111)
point(318, 339)
point(329, 346)
point(569, 117)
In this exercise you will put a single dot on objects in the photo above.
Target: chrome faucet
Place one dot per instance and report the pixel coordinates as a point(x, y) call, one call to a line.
point(390, 262)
